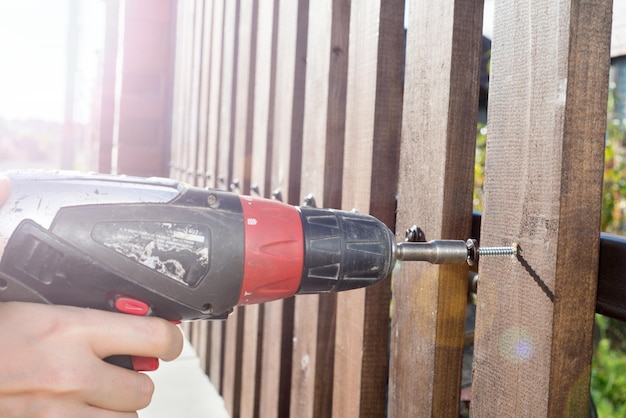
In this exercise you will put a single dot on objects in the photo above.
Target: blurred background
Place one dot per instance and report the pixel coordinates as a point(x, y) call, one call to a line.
point(50, 70)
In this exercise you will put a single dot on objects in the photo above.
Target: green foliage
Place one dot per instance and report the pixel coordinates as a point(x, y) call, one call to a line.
point(608, 374)
point(614, 190)
point(479, 165)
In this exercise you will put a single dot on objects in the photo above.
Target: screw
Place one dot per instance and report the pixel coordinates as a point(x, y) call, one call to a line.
point(414, 234)
point(212, 200)
point(277, 195)
point(309, 201)
point(474, 252)
point(497, 251)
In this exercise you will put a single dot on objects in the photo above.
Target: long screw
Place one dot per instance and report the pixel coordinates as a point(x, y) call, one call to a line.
point(496, 251)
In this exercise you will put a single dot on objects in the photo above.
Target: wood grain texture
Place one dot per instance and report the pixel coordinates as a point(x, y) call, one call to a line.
point(202, 171)
point(543, 190)
point(435, 192)
point(263, 100)
point(179, 92)
point(245, 72)
point(373, 123)
point(289, 105)
point(191, 137)
point(229, 87)
point(286, 155)
point(322, 150)
point(221, 62)
point(212, 348)
point(233, 328)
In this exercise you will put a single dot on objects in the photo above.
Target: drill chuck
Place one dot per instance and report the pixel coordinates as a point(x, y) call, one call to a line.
point(344, 250)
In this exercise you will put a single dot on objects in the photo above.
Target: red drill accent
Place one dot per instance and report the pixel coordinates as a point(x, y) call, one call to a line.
point(274, 253)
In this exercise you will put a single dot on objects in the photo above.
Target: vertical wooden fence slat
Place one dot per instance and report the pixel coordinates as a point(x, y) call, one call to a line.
point(244, 98)
point(205, 345)
point(241, 168)
point(542, 190)
point(179, 108)
point(215, 86)
point(286, 149)
point(373, 123)
point(260, 160)
point(322, 150)
point(180, 93)
point(207, 150)
point(435, 192)
point(191, 135)
point(228, 88)
point(289, 107)
point(223, 67)
point(105, 118)
point(204, 93)
point(197, 137)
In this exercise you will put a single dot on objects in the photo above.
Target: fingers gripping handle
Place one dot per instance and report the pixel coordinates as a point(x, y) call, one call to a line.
point(138, 363)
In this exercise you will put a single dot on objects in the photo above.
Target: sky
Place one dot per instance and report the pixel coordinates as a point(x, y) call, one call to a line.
point(33, 40)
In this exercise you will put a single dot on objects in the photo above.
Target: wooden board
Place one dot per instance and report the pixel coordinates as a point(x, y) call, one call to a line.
point(243, 110)
point(205, 170)
point(322, 164)
point(227, 87)
point(373, 122)
point(435, 192)
point(542, 190)
point(221, 63)
point(262, 99)
point(179, 92)
point(198, 337)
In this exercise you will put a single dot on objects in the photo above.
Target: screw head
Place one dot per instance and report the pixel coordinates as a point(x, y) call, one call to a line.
point(414, 234)
point(212, 200)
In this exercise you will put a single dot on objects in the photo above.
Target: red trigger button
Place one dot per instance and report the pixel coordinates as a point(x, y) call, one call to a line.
point(145, 364)
point(132, 306)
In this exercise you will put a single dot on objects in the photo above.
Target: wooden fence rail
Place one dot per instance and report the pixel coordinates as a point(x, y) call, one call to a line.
point(366, 107)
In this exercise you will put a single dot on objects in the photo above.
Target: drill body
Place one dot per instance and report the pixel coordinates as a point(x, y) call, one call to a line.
point(160, 247)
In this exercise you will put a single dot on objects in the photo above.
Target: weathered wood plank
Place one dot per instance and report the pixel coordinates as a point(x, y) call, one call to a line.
point(263, 101)
point(228, 87)
point(289, 107)
point(244, 96)
point(373, 124)
point(233, 327)
point(435, 192)
point(206, 70)
point(192, 138)
point(543, 190)
point(286, 156)
point(179, 91)
point(323, 140)
point(218, 57)
point(220, 64)
point(247, 13)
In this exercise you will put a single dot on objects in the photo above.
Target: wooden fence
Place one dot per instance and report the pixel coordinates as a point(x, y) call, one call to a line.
point(360, 108)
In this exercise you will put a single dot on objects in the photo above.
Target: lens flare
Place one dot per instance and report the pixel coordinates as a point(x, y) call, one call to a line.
point(516, 344)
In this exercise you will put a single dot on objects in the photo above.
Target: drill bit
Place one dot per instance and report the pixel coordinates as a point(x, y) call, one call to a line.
point(448, 251)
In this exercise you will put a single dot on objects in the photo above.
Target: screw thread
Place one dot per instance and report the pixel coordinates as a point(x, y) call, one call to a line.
point(496, 251)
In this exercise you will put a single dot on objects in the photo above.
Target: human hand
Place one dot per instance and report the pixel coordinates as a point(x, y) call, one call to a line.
point(51, 360)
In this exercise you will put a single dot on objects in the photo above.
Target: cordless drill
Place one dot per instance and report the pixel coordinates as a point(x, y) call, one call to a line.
point(160, 247)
